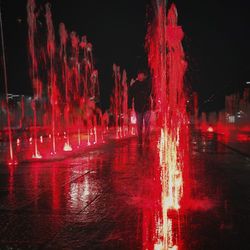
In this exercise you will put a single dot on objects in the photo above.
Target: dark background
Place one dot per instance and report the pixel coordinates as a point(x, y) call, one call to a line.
point(217, 40)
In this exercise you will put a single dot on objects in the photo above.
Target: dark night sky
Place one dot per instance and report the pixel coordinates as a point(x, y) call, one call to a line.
point(217, 41)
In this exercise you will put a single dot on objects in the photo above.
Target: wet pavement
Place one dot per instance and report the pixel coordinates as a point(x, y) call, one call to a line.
point(106, 199)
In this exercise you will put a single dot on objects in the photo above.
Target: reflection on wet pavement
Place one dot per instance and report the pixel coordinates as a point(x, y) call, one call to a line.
point(111, 198)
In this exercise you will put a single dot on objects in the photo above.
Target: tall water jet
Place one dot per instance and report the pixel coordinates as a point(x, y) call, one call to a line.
point(167, 62)
point(31, 19)
point(125, 120)
point(119, 102)
point(75, 64)
point(76, 78)
point(117, 99)
point(52, 76)
point(65, 81)
point(11, 160)
point(83, 45)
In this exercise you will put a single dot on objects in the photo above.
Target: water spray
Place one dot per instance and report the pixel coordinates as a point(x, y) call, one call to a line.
point(11, 157)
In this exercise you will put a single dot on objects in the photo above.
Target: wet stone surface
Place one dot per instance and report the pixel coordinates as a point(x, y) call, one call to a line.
point(105, 198)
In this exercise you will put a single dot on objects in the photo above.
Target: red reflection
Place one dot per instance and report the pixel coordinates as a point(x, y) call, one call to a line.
point(55, 189)
point(11, 183)
point(35, 180)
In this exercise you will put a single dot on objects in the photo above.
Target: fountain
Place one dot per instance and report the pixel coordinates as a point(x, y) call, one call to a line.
point(167, 63)
point(11, 160)
point(63, 115)
point(119, 103)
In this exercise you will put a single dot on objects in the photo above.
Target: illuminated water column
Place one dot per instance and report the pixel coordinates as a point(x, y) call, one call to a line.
point(52, 74)
point(31, 19)
point(11, 160)
point(167, 62)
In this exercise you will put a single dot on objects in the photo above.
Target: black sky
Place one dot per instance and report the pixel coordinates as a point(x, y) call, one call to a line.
point(217, 40)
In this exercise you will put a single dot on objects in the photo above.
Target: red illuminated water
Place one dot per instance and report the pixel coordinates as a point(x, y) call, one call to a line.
point(31, 19)
point(65, 78)
point(65, 115)
point(11, 159)
point(167, 62)
point(65, 118)
point(52, 75)
point(125, 121)
point(119, 102)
